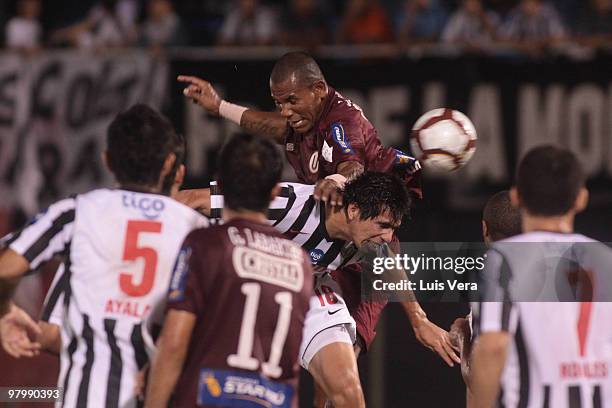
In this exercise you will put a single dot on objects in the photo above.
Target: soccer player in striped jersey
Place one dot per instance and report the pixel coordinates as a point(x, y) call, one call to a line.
point(118, 247)
point(238, 298)
point(539, 353)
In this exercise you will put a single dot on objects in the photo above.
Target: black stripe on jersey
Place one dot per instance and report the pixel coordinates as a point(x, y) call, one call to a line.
point(574, 397)
point(89, 359)
point(500, 398)
point(286, 191)
point(521, 351)
point(315, 238)
point(113, 385)
point(71, 349)
point(61, 287)
point(597, 402)
point(43, 241)
point(301, 220)
point(331, 253)
point(12, 239)
point(140, 353)
point(291, 195)
point(546, 403)
point(505, 317)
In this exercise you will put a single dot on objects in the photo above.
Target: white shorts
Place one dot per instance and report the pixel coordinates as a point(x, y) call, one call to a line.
point(327, 321)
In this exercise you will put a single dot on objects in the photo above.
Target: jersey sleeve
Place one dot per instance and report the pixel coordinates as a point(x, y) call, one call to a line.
point(279, 208)
point(185, 292)
point(495, 312)
point(344, 141)
point(48, 234)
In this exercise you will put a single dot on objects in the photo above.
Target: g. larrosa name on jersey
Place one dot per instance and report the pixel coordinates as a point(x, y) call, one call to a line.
point(405, 284)
point(266, 243)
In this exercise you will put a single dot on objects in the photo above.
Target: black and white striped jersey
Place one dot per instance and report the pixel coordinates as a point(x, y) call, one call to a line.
point(119, 248)
point(297, 215)
point(561, 352)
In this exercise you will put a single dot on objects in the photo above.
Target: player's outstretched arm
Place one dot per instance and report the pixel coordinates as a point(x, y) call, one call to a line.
point(12, 267)
point(328, 190)
point(16, 329)
point(488, 360)
point(198, 199)
point(429, 334)
point(266, 124)
point(168, 363)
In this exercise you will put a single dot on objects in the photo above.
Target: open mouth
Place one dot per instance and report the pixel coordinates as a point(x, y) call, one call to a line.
point(297, 123)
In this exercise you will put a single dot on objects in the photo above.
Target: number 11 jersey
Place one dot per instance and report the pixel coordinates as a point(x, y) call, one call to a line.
point(249, 288)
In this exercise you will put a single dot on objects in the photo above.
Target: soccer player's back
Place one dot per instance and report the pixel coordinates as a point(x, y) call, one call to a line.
point(544, 326)
point(250, 288)
point(237, 300)
point(118, 248)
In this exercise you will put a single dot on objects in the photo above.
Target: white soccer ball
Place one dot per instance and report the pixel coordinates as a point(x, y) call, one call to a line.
point(443, 139)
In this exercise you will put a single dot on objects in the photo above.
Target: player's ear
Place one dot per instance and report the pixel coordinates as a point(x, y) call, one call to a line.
point(514, 198)
point(485, 232)
point(179, 177)
point(352, 212)
point(581, 200)
point(104, 156)
point(275, 192)
point(320, 89)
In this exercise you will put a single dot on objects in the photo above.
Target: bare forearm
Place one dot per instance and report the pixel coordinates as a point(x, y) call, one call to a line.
point(487, 363)
point(164, 376)
point(266, 124)
point(50, 340)
point(350, 169)
point(7, 288)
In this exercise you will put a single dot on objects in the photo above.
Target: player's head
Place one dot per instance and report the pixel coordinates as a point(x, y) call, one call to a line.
point(500, 219)
point(298, 89)
point(550, 182)
point(250, 168)
point(144, 151)
point(375, 204)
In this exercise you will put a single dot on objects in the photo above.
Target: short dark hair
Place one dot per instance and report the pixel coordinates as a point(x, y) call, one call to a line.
point(374, 193)
point(503, 220)
point(548, 180)
point(300, 64)
point(249, 168)
point(138, 142)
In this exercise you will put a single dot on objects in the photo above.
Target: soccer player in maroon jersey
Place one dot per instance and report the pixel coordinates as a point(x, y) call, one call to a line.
point(237, 300)
point(327, 139)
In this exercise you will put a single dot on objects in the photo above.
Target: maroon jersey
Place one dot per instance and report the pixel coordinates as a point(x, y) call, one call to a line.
point(249, 288)
point(343, 133)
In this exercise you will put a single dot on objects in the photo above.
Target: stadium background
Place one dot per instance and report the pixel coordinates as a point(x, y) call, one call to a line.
point(55, 105)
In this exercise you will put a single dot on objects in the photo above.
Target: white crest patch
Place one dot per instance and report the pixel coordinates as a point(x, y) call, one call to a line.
point(327, 151)
point(314, 162)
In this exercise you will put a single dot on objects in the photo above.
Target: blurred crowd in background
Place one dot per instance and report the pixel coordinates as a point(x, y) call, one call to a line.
point(530, 26)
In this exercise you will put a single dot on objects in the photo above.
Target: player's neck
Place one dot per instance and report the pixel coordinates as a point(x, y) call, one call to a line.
point(337, 225)
point(563, 223)
point(256, 216)
point(139, 188)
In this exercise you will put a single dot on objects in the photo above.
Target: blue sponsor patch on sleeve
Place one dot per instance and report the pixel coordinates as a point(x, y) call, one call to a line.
point(403, 161)
point(340, 138)
point(176, 292)
point(316, 255)
point(242, 389)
